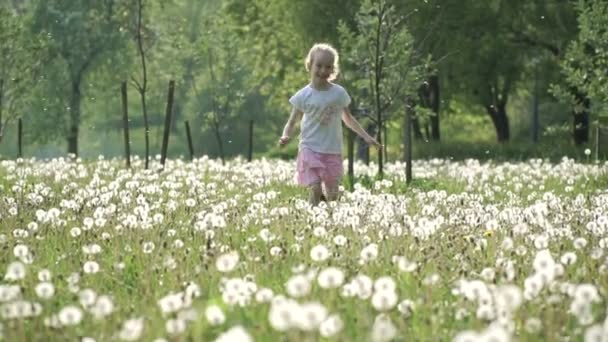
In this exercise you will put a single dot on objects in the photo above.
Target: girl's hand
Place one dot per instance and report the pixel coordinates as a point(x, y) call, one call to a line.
point(284, 140)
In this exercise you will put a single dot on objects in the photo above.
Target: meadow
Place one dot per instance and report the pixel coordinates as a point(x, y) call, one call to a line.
point(200, 251)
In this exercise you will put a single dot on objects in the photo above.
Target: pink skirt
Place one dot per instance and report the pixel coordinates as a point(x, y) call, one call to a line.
point(314, 167)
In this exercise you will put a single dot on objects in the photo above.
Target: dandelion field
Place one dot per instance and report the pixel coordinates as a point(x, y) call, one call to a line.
point(202, 251)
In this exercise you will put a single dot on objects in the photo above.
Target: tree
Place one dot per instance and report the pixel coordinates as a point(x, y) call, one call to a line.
point(79, 32)
point(142, 86)
point(17, 66)
point(383, 49)
point(222, 96)
point(584, 66)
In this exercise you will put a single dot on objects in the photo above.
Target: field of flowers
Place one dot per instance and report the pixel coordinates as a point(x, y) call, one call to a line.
point(202, 251)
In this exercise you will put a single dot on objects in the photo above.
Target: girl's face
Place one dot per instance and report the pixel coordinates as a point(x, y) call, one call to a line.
point(322, 66)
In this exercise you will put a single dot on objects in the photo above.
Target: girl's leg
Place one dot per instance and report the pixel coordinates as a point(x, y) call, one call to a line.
point(333, 190)
point(314, 195)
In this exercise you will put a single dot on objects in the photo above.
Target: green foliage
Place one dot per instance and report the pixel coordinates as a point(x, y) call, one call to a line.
point(586, 59)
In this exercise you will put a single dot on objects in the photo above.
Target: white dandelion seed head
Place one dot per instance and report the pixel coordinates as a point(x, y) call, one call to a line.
point(311, 316)
point(331, 277)
point(90, 267)
point(45, 290)
point(227, 262)
point(15, 271)
point(331, 326)
point(70, 315)
point(384, 300)
point(383, 329)
point(298, 286)
point(319, 253)
point(131, 329)
point(236, 333)
point(385, 284)
point(214, 315)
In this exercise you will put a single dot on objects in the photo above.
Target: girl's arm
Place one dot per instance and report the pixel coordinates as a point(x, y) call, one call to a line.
point(353, 124)
point(295, 117)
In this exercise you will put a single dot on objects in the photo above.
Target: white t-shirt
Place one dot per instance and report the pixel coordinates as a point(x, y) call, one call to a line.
point(321, 127)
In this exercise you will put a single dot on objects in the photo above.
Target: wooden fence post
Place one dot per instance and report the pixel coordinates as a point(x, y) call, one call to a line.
point(20, 138)
point(168, 113)
point(189, 137)
point(408, 140)
point(125, 123)
point(250, 151)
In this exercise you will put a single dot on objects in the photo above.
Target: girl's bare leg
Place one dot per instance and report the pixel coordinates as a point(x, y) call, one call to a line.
point(314, 194)
point(333, 191)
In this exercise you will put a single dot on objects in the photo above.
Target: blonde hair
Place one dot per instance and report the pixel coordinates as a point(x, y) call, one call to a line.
point(327, 48)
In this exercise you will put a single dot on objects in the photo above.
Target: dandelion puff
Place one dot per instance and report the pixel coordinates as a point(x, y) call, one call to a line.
point(264, 295)
point(496, 333)
point(369, 253)
point(131, 329)
point(595, 333)
point(331, 277)
point(406, 265)
point(70, 315)
point(340, 240)
point(383, 329)
point(298, 286)
point(331, 326)
point(385, 284)
point(384, 300)
point(406, 307)
point(45, 290)
point(15, 271)
point(103, 307)
point(237, 333)
point(275, 251)
point(568, 258)
point(21, 251)
point(579, 243)
point(44, 275)
point(488, 274)
point(533, 325)
point(227, 262)
point(90, 267)
point(87, 297)
point(587, 293)
point(319, 253)
point(175, 326)
point(148, 247)
point(215, 315)
point(467, 336)
point(311, 316)
point(283, 315)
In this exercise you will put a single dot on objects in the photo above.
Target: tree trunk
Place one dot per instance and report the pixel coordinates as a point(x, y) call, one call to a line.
point(363, 148)
point(1, 95)
point(218, 138)
point(350, 148)
point(498, 114)
point(416, 128)
point(74, 123)
point(581, 119)
point(434, 101)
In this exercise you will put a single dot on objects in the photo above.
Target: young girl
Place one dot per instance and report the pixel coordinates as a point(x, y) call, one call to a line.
point(320, 104)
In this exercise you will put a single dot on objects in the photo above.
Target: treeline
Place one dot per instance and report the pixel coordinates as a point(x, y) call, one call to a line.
point(233, 61)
